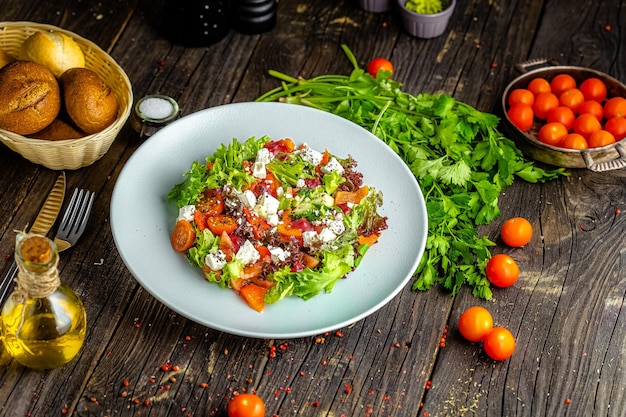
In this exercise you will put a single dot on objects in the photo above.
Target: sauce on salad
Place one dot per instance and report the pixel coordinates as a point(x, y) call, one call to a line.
point(270, 220)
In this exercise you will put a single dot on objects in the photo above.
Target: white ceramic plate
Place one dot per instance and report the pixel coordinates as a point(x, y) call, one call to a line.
point(142, 219)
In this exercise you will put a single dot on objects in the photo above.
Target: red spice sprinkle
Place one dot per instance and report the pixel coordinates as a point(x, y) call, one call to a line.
point(338, 334)
point(567, 401)
point(396, 345)
point(137, 325)
point(166, 367)
point(125, 383)
point(172, 379)
point(137, 400)
point(618, 211)
point(607, 28)
point(324, 362)
point(123, 394)
point(302, 373)
point(426, 414)
point(64, 410)
point(146, 402)
point(93, 400)
point(152, 380)
point(348, 390)
point(175, 368)
point(188, 338)
point(315, 404)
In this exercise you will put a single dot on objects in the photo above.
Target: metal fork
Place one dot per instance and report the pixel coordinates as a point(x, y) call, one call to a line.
point(72, 226)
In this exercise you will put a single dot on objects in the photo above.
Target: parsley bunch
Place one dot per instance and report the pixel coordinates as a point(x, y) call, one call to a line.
point(460, 159)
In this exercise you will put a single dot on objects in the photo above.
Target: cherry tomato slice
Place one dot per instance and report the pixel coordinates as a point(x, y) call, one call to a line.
point(221, 223)
point(211, 203)
point(183, 236)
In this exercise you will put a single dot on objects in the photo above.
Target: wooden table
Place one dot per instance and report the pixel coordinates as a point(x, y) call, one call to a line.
point(567, 310)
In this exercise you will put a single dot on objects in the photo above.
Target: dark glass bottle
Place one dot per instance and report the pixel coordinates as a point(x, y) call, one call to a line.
point(253, 16)
point(195, 22)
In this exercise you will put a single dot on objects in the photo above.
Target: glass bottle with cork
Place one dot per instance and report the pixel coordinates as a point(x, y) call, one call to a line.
point(43, 321)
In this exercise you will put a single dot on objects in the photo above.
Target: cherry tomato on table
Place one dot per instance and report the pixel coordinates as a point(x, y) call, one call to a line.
point(379, 64)
point(502, 270)
point(516, 232)
point(475, 323)
point(183, 236)
point(246, 405)
point(499, 343)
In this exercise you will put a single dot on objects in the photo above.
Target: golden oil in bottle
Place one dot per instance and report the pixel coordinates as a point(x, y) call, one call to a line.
point(43, 321)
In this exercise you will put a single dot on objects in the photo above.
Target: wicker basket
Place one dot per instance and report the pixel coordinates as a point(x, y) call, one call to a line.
point(70, 153)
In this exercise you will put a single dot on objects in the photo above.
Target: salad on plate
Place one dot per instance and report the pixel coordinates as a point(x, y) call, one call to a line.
point(270, 220)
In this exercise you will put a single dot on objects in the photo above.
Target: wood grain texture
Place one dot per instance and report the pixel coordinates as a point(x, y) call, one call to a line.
point(566, 310)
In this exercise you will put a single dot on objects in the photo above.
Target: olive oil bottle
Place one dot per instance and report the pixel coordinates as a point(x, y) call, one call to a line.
point(43, 321)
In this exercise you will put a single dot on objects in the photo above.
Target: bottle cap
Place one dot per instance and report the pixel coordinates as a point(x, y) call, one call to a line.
point(152, 112)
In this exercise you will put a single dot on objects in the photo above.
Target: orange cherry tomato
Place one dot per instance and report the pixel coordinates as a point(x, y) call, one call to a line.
point(572, 98)
point(502, 270)
point(586, 124)
point(593, 89)
point(562, 83)
point(562, 114)
point(516, 232)
point(544, 102)
point(254, 296)
point(592, 107)
point(615, 107)
point(222, 223)
point(521, 96)
point(183, 236)
point(600, 138)
point(552, 133)
point(499, 343)
point(539, 85)
point(521, 115)
point(246, 405)
point(211, 203)
point(475, 323)
point(574, 141)
point(379, 64)
point(617, 127)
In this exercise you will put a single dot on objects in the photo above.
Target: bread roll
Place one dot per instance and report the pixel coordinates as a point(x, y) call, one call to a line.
point(59, 129)
point(30, 98)
point(54, 50)
point(5, 58)
point(89, 102)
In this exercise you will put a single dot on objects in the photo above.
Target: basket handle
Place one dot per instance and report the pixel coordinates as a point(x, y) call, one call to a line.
point(616, 163)
point(522, 67)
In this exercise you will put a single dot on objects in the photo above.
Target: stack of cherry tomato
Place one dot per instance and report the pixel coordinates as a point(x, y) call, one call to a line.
point(570, 115)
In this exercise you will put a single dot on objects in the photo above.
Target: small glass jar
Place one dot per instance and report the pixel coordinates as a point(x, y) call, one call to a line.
point(43, 321)
point(153, 112)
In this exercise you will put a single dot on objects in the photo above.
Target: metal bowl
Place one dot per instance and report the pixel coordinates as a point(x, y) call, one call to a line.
point(605, 158)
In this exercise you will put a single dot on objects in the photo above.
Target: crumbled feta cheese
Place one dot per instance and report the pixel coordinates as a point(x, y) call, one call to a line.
point(263, 156)
point(267, 205)
point(309, 238)
point(247, 253)
point(336, 226)
point(258, 170)
point(300, 183)
point(326, 235)
point(215, 260)
point(311, 156)
point(278, 254)
point(280, 191)
point(332, 166)
point(272, 219)
point(248, 198)
point(186, 213)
